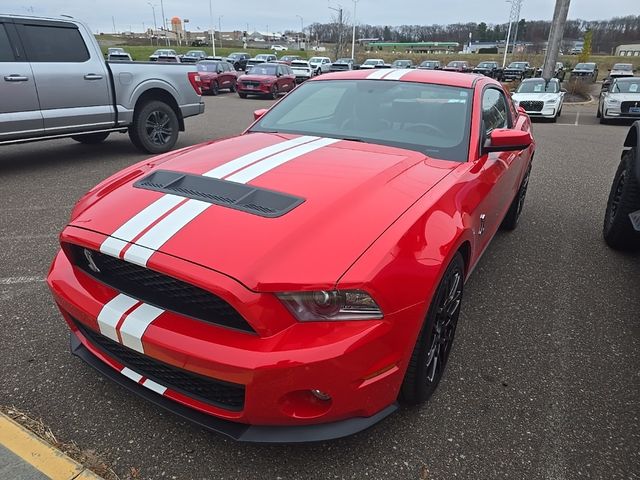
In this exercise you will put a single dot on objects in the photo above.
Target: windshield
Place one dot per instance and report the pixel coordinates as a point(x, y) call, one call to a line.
point(193, 53)
point(315, 60)
point(343, 60)
point(207, 66)
point(428, 64)
point(431, 119)
point(455, 64)
point(372, 61)
point(517, 65)
point(631, 85)
point(627, 67)
point(585, 66)
point(401, 63)
point(486, 65)
point(263, 70)
point(538, 86)
point(263, 56)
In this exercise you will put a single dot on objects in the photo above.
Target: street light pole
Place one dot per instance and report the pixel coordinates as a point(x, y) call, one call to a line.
point(155, 25)
point(164, 22)
point(301, 29)
point(339, 44)
point(220, 30)
point(353, 39)
point(213, 38)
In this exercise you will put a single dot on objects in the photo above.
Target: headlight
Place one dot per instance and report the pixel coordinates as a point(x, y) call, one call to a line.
point(552, 101)
point(612, 100)
point(324, 305)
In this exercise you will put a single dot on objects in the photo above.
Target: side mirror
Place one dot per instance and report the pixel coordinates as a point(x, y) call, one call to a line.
point(257, 114)
point(507, 140)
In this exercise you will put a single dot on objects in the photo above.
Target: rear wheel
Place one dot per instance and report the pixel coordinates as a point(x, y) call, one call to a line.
point(91, 138)
point(435, 340)
point(215, 88)
point(510, 221)
point(624, 199)
point(155, 127)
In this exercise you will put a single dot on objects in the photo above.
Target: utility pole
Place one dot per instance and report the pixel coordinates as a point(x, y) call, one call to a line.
point(339, 44)
point(113, 20)
point(213, 38)
point(353, 38)
point(301, 31)
point(155, 25)
point(515, 35)
point(514, 14)
point(555, 38)
point(220, 30)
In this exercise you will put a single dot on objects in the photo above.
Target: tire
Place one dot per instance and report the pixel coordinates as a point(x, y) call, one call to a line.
point(274, 92)
point(599, 112)
point(214, 89)
point(155, 127)
point(242, 95)
point(435, 340)
point(510, 221)
point(624, 198)
point(232, 88)
point(603, 120)
point(91, 138)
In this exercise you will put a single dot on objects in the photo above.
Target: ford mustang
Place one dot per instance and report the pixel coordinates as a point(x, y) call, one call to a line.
point(297, 282)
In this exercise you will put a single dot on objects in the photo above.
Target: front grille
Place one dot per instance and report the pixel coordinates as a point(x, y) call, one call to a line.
point(532, 105)
point(229, 396)
point(625, 106)
point(251, 84)
point(160, 290)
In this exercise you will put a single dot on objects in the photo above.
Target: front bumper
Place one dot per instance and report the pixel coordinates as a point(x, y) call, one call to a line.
point(615, 112)
point(360, 364)
point(262, 89)
point(546, 112)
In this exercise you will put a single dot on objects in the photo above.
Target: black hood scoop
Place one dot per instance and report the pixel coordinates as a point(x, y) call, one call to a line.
point(239, 196)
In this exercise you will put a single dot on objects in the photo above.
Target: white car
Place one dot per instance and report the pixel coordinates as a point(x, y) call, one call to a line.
point(302, 70)
point(539, 98)
point(622, 100)
point(372, 63)
point(279, 48)
point(162, 52)
point(320, 64)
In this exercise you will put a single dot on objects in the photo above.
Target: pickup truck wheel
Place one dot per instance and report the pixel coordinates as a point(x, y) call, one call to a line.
point(510, 221)
point(624, 199)
point(432, 349)
point(91, 138)
point(215, 88)
point(155, 127)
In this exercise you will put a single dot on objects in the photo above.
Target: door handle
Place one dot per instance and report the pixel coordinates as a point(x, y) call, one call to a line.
point(15, 78)
point(92, 76)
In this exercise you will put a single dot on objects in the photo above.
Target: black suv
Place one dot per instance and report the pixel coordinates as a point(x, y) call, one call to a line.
point(238, 60)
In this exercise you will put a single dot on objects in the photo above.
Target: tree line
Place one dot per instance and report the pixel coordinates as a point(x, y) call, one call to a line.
point(606, 34)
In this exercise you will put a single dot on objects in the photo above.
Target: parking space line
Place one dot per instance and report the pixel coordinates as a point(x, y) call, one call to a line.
point(577, 118)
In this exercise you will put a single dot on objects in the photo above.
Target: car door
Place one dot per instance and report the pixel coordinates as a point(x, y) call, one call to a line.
point(291, 77)
point(221, 77)
point(498, 172)
point(20, 115)
point(72, 81)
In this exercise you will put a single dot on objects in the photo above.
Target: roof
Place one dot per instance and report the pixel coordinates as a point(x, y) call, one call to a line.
point(454, 79)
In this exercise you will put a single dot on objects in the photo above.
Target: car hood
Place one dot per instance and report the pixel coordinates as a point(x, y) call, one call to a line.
point(542, 97)
point(350, 191)
point(625, 97)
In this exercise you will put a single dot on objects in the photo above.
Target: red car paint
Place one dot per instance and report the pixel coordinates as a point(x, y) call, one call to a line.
point(388, 227)
point(216, 75)
point(252, 84)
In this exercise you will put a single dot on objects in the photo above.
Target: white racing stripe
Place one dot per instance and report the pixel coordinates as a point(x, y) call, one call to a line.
point(398, 74)
point(127, 372)
point(378, 74)
point(111, 314)
point(270, 163)
point(136, 324)
point(156, 387)
point(119, 239)
point(248, 159)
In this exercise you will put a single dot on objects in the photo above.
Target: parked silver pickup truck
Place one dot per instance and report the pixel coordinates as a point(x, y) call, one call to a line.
point(55, 83)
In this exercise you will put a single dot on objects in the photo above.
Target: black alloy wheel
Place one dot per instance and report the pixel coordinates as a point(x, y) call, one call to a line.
point(155, 127)
point(435, 340)
point(215, 88)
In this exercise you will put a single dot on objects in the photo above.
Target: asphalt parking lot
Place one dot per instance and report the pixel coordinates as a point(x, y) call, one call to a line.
point(543, 382)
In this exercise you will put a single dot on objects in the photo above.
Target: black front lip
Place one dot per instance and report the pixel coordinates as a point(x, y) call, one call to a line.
point(237, 431)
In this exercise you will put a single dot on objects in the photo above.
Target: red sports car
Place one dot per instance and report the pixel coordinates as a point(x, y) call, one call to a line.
point(294, 282)
point(267, 79)
point(216, 76)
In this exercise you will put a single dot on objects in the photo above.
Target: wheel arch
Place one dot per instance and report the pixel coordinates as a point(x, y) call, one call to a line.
point(162, 95)
point(632, 140)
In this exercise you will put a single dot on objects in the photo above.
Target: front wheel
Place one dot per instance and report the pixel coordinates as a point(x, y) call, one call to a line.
point(624, 198)
point(91, 138)
point(510, 221)
point(242, 95)
point(232, 87)
point(155, 127)
point(274, 92)
point(435, 340)
point(215, 88)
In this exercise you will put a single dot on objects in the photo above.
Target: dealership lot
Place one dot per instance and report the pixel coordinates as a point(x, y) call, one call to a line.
point(543, 382)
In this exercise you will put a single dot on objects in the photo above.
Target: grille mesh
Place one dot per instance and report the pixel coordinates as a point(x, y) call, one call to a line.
point(625, 106)
point(225, 395)
point(532, 105)
point(160, 290)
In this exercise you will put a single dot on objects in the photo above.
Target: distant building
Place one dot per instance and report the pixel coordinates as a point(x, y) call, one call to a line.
point(630, 50)
point(416, 47)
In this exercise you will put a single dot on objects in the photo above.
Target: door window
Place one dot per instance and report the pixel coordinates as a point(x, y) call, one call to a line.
point(495, 113)
point(54, 44)
point(6, 54)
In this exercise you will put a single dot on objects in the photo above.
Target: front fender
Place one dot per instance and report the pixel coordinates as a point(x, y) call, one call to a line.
point(633, 141)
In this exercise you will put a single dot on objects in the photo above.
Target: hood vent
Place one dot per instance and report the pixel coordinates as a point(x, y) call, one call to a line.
point(258, 201)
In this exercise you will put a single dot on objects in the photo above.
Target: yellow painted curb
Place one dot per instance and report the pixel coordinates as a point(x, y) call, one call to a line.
point(39, 454)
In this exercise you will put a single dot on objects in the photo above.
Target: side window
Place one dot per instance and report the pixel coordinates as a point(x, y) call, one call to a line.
point(495, 112)
point(6, 54)
point(54, 44)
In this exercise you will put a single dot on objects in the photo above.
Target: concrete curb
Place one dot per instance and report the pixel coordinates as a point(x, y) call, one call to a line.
point(591, 100)
point(39, 454)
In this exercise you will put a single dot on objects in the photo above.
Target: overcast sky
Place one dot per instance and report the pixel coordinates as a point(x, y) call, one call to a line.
point(279, 15)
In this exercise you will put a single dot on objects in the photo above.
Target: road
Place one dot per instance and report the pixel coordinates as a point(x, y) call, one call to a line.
point(543, 382)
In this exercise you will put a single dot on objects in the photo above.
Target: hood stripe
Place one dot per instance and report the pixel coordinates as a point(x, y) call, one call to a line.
point(136, 324)
point(112, 312)
point(378, 74)
point(398, 74)
point(270, 163)
point(140, 252)
point(136, 225)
